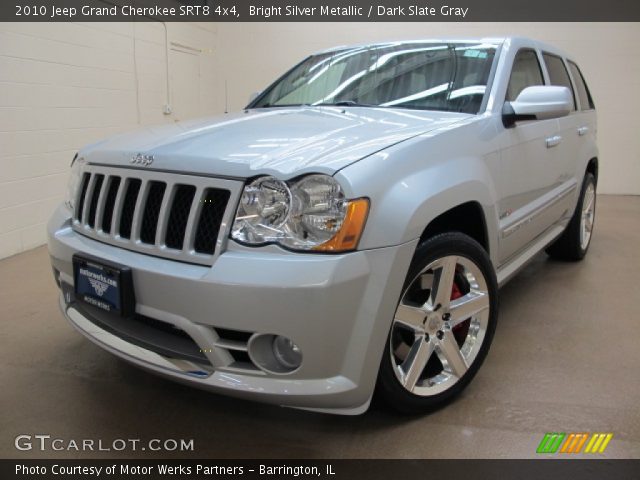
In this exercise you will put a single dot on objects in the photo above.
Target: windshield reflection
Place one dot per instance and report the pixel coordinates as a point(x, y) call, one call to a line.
point(426, 76)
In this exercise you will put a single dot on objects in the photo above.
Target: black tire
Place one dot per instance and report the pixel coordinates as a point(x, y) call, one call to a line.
point(389, 388)
point(569, 245)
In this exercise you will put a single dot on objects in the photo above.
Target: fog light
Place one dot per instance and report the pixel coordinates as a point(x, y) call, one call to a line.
point(286, 352)
point(274, 354)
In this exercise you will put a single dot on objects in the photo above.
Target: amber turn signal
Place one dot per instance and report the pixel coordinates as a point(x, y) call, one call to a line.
point(349, 234)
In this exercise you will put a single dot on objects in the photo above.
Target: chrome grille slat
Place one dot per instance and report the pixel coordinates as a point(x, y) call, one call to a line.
point(106, 181)
point(137, 211)
point(117, 207)
point(87, 200)
point(196, 207)
point(95, 198)
point(161, 228)
point(80, 197)
point(118, 203)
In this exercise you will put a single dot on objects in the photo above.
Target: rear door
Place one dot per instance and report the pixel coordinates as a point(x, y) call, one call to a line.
point(585, 120)
point(566, 150)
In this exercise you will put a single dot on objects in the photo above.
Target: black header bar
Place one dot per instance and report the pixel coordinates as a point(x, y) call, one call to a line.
point(321, 10)
point(547, 469)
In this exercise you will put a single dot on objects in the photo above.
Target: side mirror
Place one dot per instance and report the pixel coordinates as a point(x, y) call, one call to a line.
point(537, 103)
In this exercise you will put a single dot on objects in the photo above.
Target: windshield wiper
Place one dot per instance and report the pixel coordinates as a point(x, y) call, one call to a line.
point(341, 103)
point(276, 105)
point(344, 103)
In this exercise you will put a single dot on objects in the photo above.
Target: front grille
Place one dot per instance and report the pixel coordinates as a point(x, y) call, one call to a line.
point(129, 206)
point(179, 215)
point(157, 213)
point(213, 204)
point(94, 199)
point(152, 212)
point(83, 195)
point(107, 215)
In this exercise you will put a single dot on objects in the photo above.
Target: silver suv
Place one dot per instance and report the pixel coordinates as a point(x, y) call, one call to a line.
point(345, 233)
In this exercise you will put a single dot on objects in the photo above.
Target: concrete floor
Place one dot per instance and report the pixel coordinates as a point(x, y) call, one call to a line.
point(565, 358)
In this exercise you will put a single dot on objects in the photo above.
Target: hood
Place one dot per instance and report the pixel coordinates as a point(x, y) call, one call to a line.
point(276, 141)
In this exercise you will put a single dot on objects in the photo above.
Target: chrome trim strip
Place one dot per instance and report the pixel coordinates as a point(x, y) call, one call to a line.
point(232, 345)
point(507, 231)
point(173, 172)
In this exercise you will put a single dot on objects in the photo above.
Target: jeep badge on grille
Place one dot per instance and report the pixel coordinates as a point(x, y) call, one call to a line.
point(142, 159)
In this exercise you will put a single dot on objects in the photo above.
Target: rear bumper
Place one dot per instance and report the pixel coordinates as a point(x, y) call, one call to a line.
point(336, 308)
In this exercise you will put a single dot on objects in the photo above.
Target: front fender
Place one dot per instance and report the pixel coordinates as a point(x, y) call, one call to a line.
point(408, 191)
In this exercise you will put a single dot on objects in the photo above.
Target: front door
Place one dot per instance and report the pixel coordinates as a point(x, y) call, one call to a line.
point(532, 171)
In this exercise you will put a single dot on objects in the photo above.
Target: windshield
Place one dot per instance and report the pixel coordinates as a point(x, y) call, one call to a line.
point(426, 76)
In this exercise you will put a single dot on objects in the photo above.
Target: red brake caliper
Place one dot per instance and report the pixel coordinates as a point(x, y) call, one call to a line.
point(455, 292)
point(459, 331)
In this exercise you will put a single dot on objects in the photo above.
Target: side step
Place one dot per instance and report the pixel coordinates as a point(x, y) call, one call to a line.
point(509, 269)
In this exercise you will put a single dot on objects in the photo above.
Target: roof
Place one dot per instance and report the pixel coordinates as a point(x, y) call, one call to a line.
point(514, 41)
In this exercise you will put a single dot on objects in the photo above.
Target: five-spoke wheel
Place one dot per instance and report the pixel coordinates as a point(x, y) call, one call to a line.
point(576, 238)
point(439, 325)
point(588, 215)
point(443, 323)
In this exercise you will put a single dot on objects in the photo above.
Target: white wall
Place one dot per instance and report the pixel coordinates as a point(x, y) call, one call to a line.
point(66, 85)
point(255, 54)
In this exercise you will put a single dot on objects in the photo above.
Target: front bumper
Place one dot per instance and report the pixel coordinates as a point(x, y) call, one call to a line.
point(336, 308)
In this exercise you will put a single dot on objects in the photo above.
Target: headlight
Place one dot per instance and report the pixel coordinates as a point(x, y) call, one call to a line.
point(75, 176)
point(311, 213)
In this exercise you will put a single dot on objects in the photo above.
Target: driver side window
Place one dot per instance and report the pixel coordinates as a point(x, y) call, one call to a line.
point(526, 72)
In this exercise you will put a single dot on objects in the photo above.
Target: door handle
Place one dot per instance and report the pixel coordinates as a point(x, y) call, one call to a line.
point(583, 131)
point(553, 141)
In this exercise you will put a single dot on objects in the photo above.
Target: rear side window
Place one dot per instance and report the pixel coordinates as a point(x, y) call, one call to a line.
point(526, 72)
point(586, 102)
point(558, 74)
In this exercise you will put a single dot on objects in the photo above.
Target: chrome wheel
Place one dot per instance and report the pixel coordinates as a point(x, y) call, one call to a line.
point(588, 214)
point(440, 325)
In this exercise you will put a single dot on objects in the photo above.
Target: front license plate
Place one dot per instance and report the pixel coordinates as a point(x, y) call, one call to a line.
point(103, 285)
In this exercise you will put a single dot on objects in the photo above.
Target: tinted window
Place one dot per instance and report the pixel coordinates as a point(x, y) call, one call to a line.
point(558, 74)
point(526, 72)
point(586, 103)
point(425, 76)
